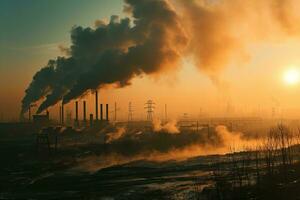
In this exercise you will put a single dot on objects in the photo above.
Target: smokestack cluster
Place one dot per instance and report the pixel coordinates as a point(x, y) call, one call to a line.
point(153, 40)
point(112, 53)
point(84, 112)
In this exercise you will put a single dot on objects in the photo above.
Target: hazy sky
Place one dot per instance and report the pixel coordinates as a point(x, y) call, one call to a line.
point(31, 32)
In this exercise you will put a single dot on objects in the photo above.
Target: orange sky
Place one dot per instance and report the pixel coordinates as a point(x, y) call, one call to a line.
point(250, 87)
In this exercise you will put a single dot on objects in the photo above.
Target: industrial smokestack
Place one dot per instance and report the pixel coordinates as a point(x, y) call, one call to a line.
point(91, 119)
point(101, 112)
point(76, 114)
point(76, 111)
point(96, 104)
point(113, 47)
point(106, 112)
point(84, 111)
point(62, 115)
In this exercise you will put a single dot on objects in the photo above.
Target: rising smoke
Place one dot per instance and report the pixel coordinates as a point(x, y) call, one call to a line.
point(221, 31)
point(111, 136)
point(169, 127)
point(112, 53)
point(124, 146)
point(153, 39)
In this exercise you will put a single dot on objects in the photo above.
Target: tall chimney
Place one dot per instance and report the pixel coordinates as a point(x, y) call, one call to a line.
point(96, 105)
point(101, 111)
point(76, 111)
point(84, 111)
point(76, 114)
point(91, 119)
point(106, 112)
point(62, 114)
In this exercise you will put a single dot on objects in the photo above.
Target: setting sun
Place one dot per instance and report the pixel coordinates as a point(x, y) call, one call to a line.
point(150, 99)
point(291, 76)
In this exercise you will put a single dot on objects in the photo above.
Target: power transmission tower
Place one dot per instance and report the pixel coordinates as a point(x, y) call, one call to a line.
point(130, 112)
point(149, 109)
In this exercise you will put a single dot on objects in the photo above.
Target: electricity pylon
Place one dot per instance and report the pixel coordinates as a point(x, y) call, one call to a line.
point(149, 106)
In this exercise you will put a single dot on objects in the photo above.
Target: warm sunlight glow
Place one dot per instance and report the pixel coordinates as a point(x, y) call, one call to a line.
point(292, 76)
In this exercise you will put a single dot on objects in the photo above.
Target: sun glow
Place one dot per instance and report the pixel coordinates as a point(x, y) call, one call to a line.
point(292, 76)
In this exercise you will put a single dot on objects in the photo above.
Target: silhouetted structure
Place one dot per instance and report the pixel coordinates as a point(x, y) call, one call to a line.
point(107, 119)
point(62, 115)
point(41, 119)
point(115, 111)
point(96, 105)
point(101, 112)
point(46, 136)
point(76, 114)
point(29, 111)
point(91, 120)
point(150, 109)
point(84, 111)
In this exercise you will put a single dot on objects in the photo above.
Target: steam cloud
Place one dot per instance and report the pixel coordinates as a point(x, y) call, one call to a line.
point(115, 135)
point(216, 34)
point(233, 139)
point(169, 127)
point(123, 146)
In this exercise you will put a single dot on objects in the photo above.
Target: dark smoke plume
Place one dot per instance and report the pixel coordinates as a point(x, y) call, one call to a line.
point(112, 53)
point(215, 33)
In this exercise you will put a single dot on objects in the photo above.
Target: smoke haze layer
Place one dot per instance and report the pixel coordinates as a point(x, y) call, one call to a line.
point(122, 146)
point(112, 53)
point(221, 31)
point(154, 38)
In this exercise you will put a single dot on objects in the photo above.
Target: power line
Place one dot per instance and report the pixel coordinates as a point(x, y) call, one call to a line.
point(116, 109)
point(149, 109)
point(130, 112)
